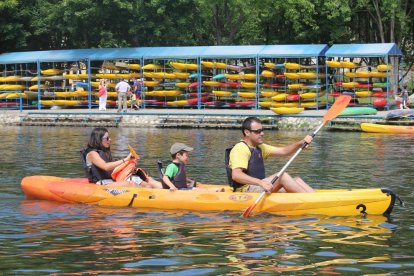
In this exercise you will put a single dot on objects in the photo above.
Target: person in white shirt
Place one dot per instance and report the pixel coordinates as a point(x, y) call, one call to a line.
point(122, 88)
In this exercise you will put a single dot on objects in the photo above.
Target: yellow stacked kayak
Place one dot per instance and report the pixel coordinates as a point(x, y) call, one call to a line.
point(327, 202)
point(287, 110)
point(379, 128)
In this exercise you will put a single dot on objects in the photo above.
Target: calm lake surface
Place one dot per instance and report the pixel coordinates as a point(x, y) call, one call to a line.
point(41, 237)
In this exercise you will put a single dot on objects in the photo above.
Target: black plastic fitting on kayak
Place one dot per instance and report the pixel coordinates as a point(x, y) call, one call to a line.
point(132, 200)
point(394, 196)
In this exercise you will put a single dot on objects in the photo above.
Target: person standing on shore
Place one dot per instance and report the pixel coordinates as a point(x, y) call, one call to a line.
point(122, 88)
point(405, 96)
point(103, 95)
point(245, 162)
point(136, 92)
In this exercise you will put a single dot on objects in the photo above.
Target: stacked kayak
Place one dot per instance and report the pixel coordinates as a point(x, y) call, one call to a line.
point(324, 202)
point(379, 128)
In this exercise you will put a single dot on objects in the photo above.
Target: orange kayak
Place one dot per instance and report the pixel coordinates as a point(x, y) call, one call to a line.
point(324, 202)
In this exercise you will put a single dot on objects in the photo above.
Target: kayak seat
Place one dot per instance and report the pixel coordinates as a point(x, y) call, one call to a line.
point(86, 168)
point(161, 165)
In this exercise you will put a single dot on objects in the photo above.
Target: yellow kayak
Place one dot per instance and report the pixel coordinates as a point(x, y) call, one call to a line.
point(292, 66)
point(384, 67)
point(219, 93)
point(267, 74)
point(379, 128)
point(248, 84)
point(134, 66)
point(51, 71)
point(247, 95)
point(151, 67)
point(167, 93)
point(325, 202)
point(76, 76)
point(184, 66)
point(287, 110)
point(211, 83)
point(268, 94)
point(333, 64)
point(181, 75)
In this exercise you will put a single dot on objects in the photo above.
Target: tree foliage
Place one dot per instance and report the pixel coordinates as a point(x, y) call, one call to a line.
point(63, 24)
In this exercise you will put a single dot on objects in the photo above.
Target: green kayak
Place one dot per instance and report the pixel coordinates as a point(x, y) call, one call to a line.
point(360, 110)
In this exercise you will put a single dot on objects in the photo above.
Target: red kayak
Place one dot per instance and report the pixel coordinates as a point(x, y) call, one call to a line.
point(230, 84)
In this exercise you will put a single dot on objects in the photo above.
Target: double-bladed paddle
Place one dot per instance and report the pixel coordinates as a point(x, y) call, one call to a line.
point(331, 114)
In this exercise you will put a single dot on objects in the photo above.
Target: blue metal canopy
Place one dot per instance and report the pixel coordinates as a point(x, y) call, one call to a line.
point(364, 50)
point(116, 53)
point(192, 52)
point(294, 51)
point(18, 57)
point(184, 52)
point(232, 51)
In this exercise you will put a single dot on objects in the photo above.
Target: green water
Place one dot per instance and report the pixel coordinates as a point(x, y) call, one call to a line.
point(41, 237)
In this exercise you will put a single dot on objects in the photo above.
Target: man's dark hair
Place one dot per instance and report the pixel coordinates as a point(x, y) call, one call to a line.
point(247, 123)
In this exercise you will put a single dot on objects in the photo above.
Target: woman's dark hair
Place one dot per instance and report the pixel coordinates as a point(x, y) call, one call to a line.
point(95, 141)
point(247, 123)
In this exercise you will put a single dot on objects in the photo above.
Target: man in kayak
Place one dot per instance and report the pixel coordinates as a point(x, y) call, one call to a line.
point(245, 162)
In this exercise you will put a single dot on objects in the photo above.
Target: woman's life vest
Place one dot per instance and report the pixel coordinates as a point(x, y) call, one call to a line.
point(94, 173)
point(255, 167)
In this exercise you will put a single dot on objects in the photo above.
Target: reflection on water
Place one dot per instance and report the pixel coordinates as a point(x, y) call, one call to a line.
point(112, 240)
point(40, 237)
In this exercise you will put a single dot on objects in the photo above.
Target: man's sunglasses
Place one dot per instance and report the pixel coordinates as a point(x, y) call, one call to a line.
point(257, 131)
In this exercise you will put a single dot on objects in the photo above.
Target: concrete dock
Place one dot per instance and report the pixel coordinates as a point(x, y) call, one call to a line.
point(180, 118)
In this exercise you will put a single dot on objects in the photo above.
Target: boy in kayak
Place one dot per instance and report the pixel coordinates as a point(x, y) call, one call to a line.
point(245, 162)
point(175, 177)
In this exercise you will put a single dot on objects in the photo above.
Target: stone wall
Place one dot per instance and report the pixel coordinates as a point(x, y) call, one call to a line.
point(161, 120)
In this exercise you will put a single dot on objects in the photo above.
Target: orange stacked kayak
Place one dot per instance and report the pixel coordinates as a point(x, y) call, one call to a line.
point(325, 202)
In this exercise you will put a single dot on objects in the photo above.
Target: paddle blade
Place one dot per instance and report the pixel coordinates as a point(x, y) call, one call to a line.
point(340, 104)
point(132, 151)
point(247, 212)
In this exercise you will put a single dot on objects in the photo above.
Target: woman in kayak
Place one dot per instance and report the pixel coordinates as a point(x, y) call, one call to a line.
point(100, 164)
